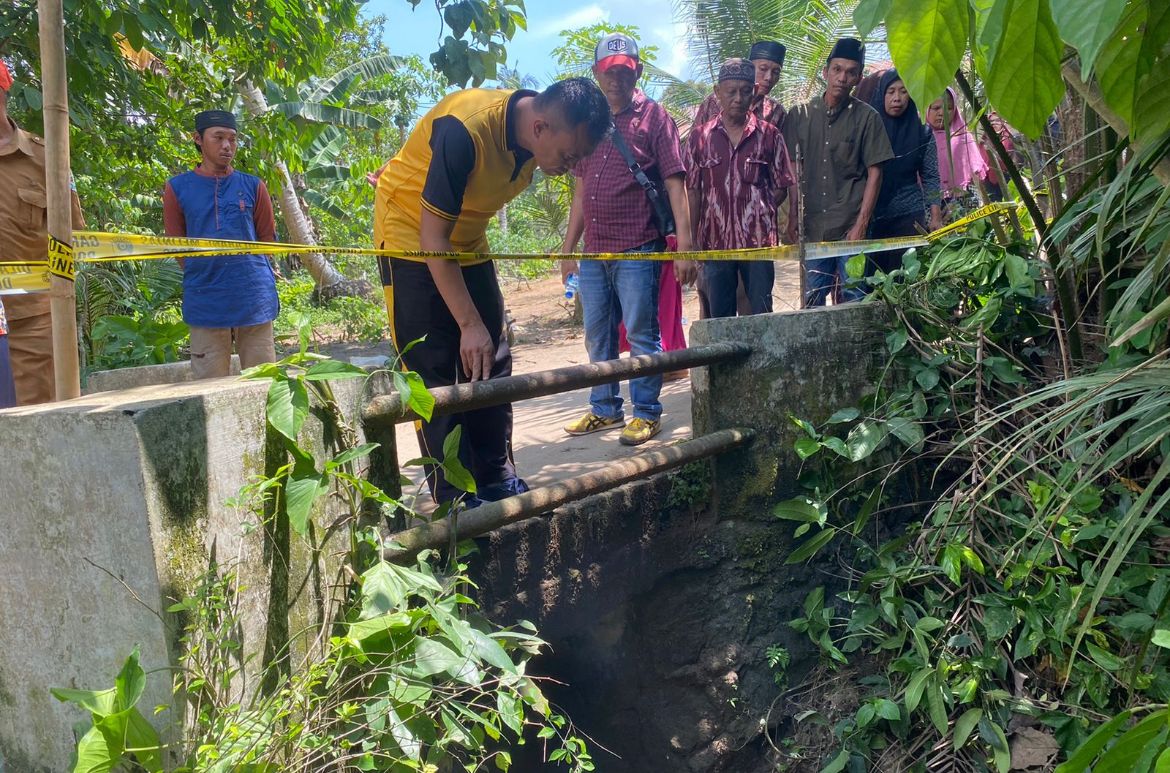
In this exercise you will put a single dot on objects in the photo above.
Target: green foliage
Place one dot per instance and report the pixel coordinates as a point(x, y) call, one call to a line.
point(129, 314)
point(403, 673)
point(939, 26)
point(411, 679)
point(123, 341)
point(1035, 561)
point(690, 486)
point(487, 25)
point(778, 660)
point(118, 731)
point(574, 55)
point(807, 27)
point(1087, 25)
point(1018, 48)
point(304, 480)
point(1141, 748)
point(347, 318)
point(536, 222)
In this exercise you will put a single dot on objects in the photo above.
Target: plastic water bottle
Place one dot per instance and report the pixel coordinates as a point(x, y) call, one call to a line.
point(572, 284)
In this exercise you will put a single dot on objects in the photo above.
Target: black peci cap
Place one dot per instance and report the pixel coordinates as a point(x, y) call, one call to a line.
point(209, 118)
point(770, 50)
point(848, 48)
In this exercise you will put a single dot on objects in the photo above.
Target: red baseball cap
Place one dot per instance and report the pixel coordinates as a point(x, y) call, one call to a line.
point(5, 76)
point(616, 50)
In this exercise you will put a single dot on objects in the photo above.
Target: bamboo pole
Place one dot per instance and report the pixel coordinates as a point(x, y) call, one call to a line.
point(62, 298)
point(489, 516)
point(460, 398)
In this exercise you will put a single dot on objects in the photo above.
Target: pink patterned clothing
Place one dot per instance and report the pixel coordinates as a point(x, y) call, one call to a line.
point(734, 188)
point(669, 312)
point(618, 214)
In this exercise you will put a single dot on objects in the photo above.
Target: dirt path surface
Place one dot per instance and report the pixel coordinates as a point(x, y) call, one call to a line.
point(546, 338)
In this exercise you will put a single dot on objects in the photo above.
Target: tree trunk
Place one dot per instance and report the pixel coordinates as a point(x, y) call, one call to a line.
point(1074, 151)
point(329, 282)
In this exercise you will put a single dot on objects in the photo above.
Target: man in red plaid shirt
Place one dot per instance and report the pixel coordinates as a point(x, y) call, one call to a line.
point(616, 215)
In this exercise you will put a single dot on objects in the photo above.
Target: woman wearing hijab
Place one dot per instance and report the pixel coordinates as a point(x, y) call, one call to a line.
point(960, 158)
point(910, 181)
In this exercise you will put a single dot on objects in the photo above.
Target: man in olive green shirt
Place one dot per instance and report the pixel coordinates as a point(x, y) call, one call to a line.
point(843, 145)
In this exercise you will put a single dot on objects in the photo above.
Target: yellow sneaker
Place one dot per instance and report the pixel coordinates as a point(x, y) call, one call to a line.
point(591, 422)
point(639, 431)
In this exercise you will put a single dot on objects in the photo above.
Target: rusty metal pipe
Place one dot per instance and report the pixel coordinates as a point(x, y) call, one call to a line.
point(389, 409)
point(493, 515)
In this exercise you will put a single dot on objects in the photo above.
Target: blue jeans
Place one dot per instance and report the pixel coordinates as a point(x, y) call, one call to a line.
point(7, 384)
point(822, 273)
point(626, 291)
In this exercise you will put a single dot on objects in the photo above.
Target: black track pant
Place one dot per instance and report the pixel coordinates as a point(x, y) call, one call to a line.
point(416, 310)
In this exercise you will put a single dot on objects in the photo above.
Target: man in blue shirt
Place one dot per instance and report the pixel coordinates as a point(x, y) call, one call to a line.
point(7, 383)
point(229, 298)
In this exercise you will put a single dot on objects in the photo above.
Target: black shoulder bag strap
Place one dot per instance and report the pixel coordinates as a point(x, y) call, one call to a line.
point(663, 216)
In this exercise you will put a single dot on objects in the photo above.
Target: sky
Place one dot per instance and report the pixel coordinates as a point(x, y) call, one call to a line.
point(530, 51)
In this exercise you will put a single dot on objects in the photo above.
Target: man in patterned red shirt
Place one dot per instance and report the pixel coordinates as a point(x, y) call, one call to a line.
point(615, 214)
point(767, 57)
point(737, 175)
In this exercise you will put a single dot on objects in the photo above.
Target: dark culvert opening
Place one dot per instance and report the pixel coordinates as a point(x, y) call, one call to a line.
point(658, 622)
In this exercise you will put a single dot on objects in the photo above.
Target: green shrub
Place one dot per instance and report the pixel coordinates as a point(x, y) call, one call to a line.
point(346, 318)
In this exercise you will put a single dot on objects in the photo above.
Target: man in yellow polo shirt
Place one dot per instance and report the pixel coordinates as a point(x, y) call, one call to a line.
point(471, 154)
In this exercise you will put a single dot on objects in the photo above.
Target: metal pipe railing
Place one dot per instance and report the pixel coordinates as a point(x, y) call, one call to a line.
point(389, 409)
point(493, 515)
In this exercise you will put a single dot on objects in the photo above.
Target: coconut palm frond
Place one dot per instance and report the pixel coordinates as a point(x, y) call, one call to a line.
point(547, 207)
point(720, 29)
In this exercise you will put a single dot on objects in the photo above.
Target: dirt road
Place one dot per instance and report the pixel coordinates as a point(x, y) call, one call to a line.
point(546, 337)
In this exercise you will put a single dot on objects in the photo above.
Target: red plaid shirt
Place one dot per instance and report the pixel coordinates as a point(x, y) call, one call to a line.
point(618, 214)
point(735, 188)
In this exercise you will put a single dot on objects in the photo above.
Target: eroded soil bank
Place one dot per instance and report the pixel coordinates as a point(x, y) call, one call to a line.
point(660, 620)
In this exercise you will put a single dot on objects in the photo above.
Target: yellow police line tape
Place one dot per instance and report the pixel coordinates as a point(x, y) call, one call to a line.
point(100, 247)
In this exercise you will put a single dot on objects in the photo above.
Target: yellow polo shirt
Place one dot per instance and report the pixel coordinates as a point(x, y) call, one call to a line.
point(462, 163)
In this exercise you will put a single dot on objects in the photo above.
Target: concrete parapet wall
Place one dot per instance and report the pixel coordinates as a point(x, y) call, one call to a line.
point(807, 363)
point(111, 506)
point(146, 375)
point(660, 597)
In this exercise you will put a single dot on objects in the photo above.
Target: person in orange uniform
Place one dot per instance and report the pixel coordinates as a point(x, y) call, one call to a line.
point(24, 231)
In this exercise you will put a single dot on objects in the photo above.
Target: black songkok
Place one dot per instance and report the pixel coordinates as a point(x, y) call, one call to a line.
point(848, 48)
point(770, 50)
point(209, 118)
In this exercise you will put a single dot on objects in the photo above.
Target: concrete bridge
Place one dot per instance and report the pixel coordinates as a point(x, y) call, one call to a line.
point(659, 588)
